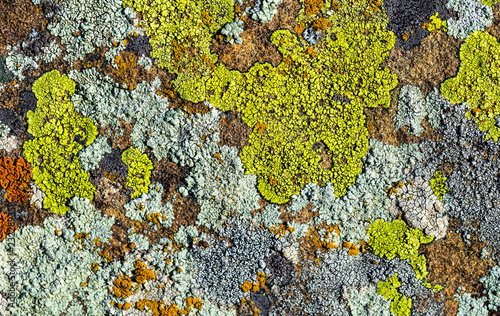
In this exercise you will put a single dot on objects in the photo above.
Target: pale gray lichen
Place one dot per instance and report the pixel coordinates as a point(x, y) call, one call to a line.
point(17, 63)
point(269, 217)
point(470, 306)
point(232, 31)
point(264, 10)
point(91, 155)
point(150, 205)
point(366, 302)
point(141, 242)
point(84, 25)
point(37, 195)
point(4, 131)
point(473, 16)
point(421, 209)
point(51, 51)
point(222, 188)
point(492, 284)
point(185, 235)
point(413, 108)
point(367, 199)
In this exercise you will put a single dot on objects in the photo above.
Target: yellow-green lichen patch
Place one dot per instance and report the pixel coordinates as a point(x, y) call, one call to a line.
point(478, 82)
point(59, 134)
point(139, 170)
point(304, 105)
point(307, 109)
point(180, 35)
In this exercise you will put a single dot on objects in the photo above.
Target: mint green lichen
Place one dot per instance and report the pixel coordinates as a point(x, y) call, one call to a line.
point(139, 170)
point(366, 302)
point(58, 132)
point(91, 155)
point(149, 204)
point(470, 306)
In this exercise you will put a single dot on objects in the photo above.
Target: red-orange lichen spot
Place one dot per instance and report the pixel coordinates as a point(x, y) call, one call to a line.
point(14, 177)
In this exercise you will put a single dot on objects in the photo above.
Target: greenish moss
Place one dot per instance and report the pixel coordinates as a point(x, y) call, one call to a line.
point(400, 304)
point(478, 82)
point(438, 185)
point(59, 134)
point(391, 239)
point(139, 171)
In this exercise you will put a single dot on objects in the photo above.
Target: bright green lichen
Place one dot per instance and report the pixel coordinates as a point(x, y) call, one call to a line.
point(139, 170)
point(59, 134)
point(438, 185)
point(307, 112)
point(478, 82)
point(302, 132)
point(389, 239)
point(181, 33)
point(400, 304)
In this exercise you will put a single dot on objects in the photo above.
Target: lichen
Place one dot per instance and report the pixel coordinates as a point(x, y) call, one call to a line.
point(59, 134)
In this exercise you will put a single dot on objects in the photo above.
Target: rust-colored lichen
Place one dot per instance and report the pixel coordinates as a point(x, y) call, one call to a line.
point(257, 46)
point(455, 264)
point(6, 226)
point(428, 64)
point(15, 173)
point(312, 6)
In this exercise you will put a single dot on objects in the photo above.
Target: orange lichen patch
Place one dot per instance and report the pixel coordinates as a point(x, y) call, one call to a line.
point(122, 287)
point(142, 275)
point(310, 51)
point(261, 278)
point(217, 156)
point(312, 6)
point(281, 230)
point(321, 24)
point(299, 29)
point(254, 287)
point(6, 226)
point(194, 302)
point(80, 239)
point(260, 127)
point(95, 266)
point(394, 189)
point(249, 286)
point(15, 173)
point(158, 309)
point(353, 249)
point(127, 68)
point(106, 255)
point(124, 306)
